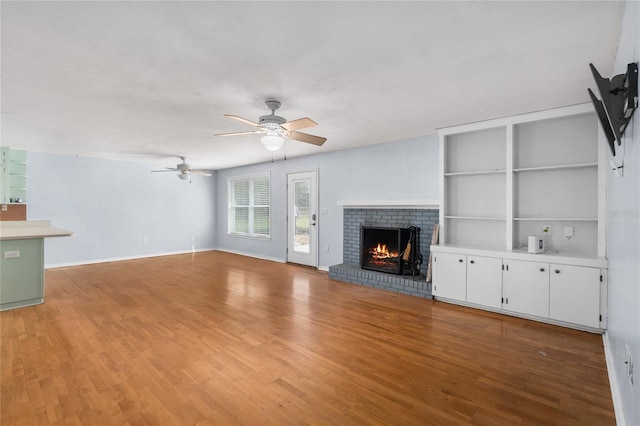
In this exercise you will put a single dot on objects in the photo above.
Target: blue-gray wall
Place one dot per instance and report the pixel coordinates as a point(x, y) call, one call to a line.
point(112, 206)
point(623, 243)
point(392, 171)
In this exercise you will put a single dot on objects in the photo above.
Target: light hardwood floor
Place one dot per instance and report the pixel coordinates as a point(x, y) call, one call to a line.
point(217, 338)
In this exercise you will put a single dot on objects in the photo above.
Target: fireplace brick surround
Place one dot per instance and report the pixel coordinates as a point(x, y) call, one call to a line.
point(350, 270)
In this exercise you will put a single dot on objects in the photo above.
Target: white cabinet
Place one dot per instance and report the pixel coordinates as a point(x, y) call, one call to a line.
point(525, 287)
point(571, 294)
point(575, 294)
point(450, 274)
point(484, 281)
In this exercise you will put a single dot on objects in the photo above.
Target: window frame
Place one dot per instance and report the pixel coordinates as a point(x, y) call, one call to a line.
point(251, 179)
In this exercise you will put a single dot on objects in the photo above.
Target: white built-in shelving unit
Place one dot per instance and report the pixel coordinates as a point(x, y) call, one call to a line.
point(505, 179)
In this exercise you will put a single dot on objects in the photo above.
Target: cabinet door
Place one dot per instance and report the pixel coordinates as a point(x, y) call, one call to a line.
point(484, 281)
point(574, 295)
point(4, 175)
point(525, 287)
point(450, 276)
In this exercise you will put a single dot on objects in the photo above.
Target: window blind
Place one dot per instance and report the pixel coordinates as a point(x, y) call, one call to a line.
point(249, 205)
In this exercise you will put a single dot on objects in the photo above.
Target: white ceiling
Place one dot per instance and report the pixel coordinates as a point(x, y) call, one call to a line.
point(147, 81)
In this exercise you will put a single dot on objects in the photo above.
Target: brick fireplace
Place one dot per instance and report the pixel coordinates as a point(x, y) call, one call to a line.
point(391, 217)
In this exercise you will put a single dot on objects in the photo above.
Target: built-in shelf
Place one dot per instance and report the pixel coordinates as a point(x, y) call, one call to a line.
point(544, 172)
point(475, 218)
point(558, 167)
point(505, 179)
point(13, 167)
point(559, 219)
point(477, 172)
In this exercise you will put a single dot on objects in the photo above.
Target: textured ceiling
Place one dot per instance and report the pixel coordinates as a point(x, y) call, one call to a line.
point(147, 81)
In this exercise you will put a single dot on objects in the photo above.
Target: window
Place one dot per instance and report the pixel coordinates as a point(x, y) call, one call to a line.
point(249, 206)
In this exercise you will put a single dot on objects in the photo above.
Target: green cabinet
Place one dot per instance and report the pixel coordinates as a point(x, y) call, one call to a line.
point(21, 273)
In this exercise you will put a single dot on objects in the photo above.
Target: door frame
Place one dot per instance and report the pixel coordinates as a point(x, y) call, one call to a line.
point(313, 204)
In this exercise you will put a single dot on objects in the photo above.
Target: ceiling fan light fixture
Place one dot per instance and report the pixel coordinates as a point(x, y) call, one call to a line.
point(272, 141)
point(184, 175)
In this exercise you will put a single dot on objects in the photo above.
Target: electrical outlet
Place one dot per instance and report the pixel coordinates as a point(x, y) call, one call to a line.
point(546, 229)
point(144, 240)
point(568, 232)
point(326, 249)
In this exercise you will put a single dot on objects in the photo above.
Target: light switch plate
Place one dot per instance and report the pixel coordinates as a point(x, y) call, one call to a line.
point(11, 254)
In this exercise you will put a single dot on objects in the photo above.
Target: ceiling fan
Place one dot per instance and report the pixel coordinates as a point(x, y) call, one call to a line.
point(276, 129)
point(184, 170)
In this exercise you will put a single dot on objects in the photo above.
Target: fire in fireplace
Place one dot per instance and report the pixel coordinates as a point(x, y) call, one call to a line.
point(389, 249)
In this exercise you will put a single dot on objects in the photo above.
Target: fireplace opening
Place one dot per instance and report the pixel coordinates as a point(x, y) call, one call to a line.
point(391, 250)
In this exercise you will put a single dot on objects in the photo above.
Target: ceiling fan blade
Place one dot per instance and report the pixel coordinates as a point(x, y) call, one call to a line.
point(252, 132)
point(242, 120)
point(202, 172)
point(303, 137)
point(300, 123)
point(167, 169)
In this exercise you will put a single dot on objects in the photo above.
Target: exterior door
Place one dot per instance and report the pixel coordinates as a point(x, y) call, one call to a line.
point(302, 218)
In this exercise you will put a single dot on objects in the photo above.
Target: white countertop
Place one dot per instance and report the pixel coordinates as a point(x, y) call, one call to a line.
point(27, 229)
point(515, 254)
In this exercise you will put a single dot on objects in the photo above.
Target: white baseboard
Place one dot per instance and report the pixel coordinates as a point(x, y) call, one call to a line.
point(117, 259)
point(273, 259)
point(144, 256)
point(613, 381)
point(256, 256)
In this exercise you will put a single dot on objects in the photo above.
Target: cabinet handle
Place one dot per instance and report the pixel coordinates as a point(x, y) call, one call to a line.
point(460, 260)
point(472, 261)
point(541, 269)
point(557, 271)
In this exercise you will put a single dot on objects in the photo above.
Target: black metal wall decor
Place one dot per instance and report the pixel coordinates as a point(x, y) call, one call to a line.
point(619, 101)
